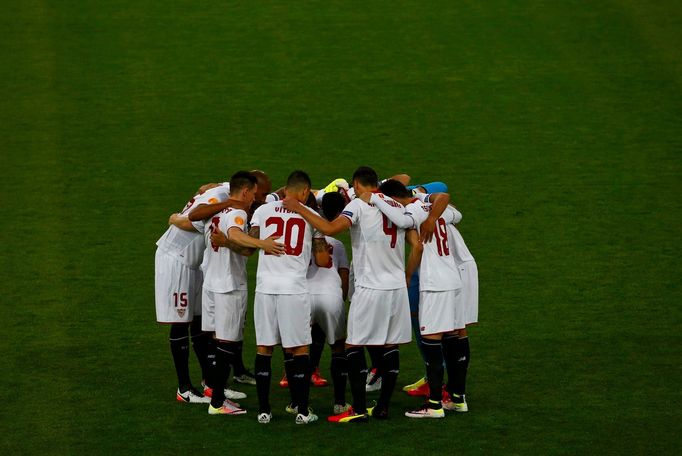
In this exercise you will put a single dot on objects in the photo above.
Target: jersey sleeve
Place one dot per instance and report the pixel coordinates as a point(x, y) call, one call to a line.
point(340, 256)
point(255, 218)
point(451, 215)
point(352, 211)
point(235, 218)
point(423, 197)
point(395, 214)
point(418, 211)
point(271, 197)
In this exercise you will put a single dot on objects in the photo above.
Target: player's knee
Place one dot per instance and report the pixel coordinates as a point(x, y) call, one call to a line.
point(179, 330)
point(302, 350)
point(434, 337)
point(264, 350)
point(338, 346)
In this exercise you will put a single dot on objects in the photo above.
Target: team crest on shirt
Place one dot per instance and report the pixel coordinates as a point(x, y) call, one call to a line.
point(181, 312)
point(239, 220)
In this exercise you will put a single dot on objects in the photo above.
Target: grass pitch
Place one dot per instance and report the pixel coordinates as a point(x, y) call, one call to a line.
point(556, 124)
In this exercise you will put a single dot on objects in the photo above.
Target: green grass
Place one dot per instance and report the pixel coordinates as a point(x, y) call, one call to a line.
point(557, 126)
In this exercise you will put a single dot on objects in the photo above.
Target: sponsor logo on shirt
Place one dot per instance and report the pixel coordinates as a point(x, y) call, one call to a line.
point(238, 220)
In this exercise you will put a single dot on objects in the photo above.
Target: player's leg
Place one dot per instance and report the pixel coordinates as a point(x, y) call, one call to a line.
point(179, 345)
point(267, 336)
point(374, 372)
point(339, 372)
point(390, 366)
point(316, 348)
point(434, 372)
point(293, 319)
point(241, 373)
point(357, 377)
point(456, 351)
point(173, 306)
point(419, 387)
point(230, 314)
point(328, 313)
point(201, 343)
point(263, 371)
point(397, 332)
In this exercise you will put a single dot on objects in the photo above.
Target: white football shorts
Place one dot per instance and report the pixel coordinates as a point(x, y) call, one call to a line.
point(379, 317)
point(440, 311)
point(175, 289)
point(282, 319)
point(328, 311)
point(230, 314)
point(469, 274)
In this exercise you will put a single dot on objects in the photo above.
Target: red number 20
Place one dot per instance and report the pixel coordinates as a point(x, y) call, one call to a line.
point(286, 229)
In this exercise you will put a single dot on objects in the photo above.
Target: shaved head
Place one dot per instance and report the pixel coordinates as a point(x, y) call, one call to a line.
point(264, 185)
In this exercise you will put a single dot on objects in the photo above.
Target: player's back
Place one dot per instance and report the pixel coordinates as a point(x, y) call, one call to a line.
point(378, 246)
point(224, 270)
point(460, 251)
point(188, 246)
point(326, 279)
point(437, 271)
point(284, 274)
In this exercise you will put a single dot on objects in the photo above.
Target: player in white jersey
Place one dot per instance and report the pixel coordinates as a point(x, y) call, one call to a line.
point(225, 287)
point(328, 287)
point(282, 303)
point(456, 344)
point(379, 312)
point(441, 312)
point(198, 216)
point(178, 292)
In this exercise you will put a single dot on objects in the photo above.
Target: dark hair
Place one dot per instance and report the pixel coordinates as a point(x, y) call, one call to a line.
point(394, 188)
point(366, 176)
point(311, 202)
point(332, 205)
point(299, 179)
point(242, 179)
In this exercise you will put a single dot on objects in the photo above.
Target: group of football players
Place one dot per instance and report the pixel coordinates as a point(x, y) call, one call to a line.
point(303, 280)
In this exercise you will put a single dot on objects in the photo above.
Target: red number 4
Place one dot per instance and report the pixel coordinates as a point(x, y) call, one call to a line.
point(390, 230)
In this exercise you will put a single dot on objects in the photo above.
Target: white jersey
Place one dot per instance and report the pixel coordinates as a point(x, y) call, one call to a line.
point(326, 280)
point(284, 274)
point(188, 246)
point(437, 271)
point(378, 246)
point(461, 251)
point(224, 270)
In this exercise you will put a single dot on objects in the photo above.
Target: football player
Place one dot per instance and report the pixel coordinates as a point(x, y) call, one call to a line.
point(441, 312)
point(282, 302)
point(177, 289)
point(380, 291)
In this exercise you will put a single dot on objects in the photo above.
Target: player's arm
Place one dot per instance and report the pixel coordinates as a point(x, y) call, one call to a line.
point(324, 226)
point(251, 240)
point(182, 222)
point(439, 201)
point(396, 215)
point(452, 215)
point(321, 252)
point(204, 211)
point(206, 187)
point(344, 273)
point(417, 248)
point(402, 178)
